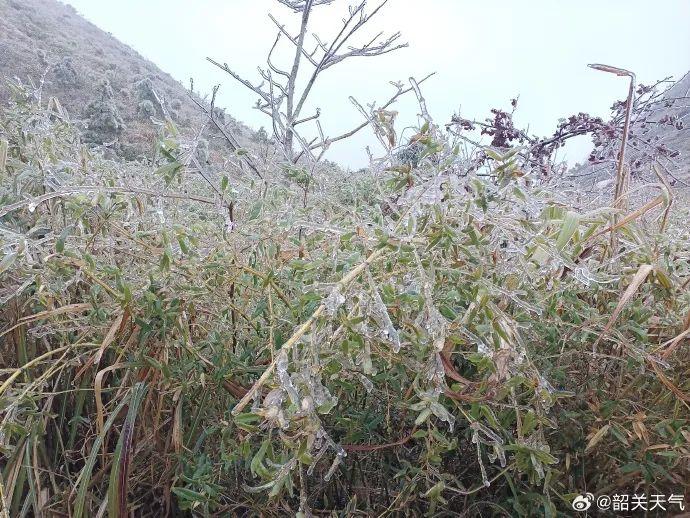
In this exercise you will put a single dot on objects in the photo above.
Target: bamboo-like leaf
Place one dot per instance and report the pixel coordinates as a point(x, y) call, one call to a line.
point(85, 476)
point(637, 281)
point(597, 437)
point(98, 390)
point(112, 332)
point(4, 146)
point(571, 222)
point(119, 474)
point(7, 261)
point(632, 216)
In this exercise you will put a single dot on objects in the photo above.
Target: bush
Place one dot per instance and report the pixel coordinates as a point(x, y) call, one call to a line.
point(412, 339)
point(146, 109)
point(103, 119)
point(65, 73)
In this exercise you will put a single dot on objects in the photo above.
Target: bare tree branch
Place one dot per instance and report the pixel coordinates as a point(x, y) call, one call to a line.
point(300, 5)
point(257, 90)
point(293, 40)
point(310, 118)
point(229, 137)
point(281, 99)
point(270, 64)
point(421, 101)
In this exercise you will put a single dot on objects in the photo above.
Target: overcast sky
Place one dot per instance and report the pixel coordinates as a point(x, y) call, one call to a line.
point(484, 52)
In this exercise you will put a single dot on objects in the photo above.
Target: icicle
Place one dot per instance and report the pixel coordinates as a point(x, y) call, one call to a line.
point(274, 398)
point(514, 296)
point(537, 466)
point(159, 212)
point(482, 348)
point(317, 457)
point(307, 405)
point(284, 377)
point(431, 319)
point(229, 224)
point(364, 359)
point(388, 331)
point(334, 300)
point(368, 385)
point(273, 412)
point(485, 479)
point(440, 411)
point(18, 291)
point(501, 455)
point(436, 372)
point(336, 462)
point(256, 404)
point(493, 438)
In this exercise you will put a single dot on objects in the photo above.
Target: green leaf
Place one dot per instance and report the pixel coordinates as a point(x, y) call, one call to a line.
point(192, 497)
point(165, 261)
point(158, 366)
point(60, 242)
point(571, 222)
point(423, 416)
point(256, 465)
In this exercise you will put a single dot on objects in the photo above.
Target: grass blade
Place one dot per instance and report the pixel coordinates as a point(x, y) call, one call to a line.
point(85, 475)
point(119, 474)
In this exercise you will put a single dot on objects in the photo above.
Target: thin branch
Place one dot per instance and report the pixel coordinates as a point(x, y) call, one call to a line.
point(224, 67)
point(294, 41)
point(270, 64)
point(420, 100)
point(34, 202)
point(621, 174)
point(310, 118)
point(231, 140)
point(363, 125)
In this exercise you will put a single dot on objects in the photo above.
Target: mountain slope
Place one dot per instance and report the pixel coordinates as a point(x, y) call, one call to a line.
point(96, 77)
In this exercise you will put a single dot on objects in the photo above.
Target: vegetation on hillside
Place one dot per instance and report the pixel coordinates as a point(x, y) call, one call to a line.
point(46, 41)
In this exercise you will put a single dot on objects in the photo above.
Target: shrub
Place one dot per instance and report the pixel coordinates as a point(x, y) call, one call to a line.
point(146, 109)
point(65, 73)
point(103, 119)
point(411, 339)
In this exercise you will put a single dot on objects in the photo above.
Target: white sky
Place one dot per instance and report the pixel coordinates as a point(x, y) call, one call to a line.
point(484, 52)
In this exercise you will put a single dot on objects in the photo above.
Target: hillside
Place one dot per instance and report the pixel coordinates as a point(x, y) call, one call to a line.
point(676, 113)
point(44, 40)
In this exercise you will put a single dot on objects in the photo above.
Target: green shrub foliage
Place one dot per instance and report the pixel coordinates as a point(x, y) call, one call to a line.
point(411, 340)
